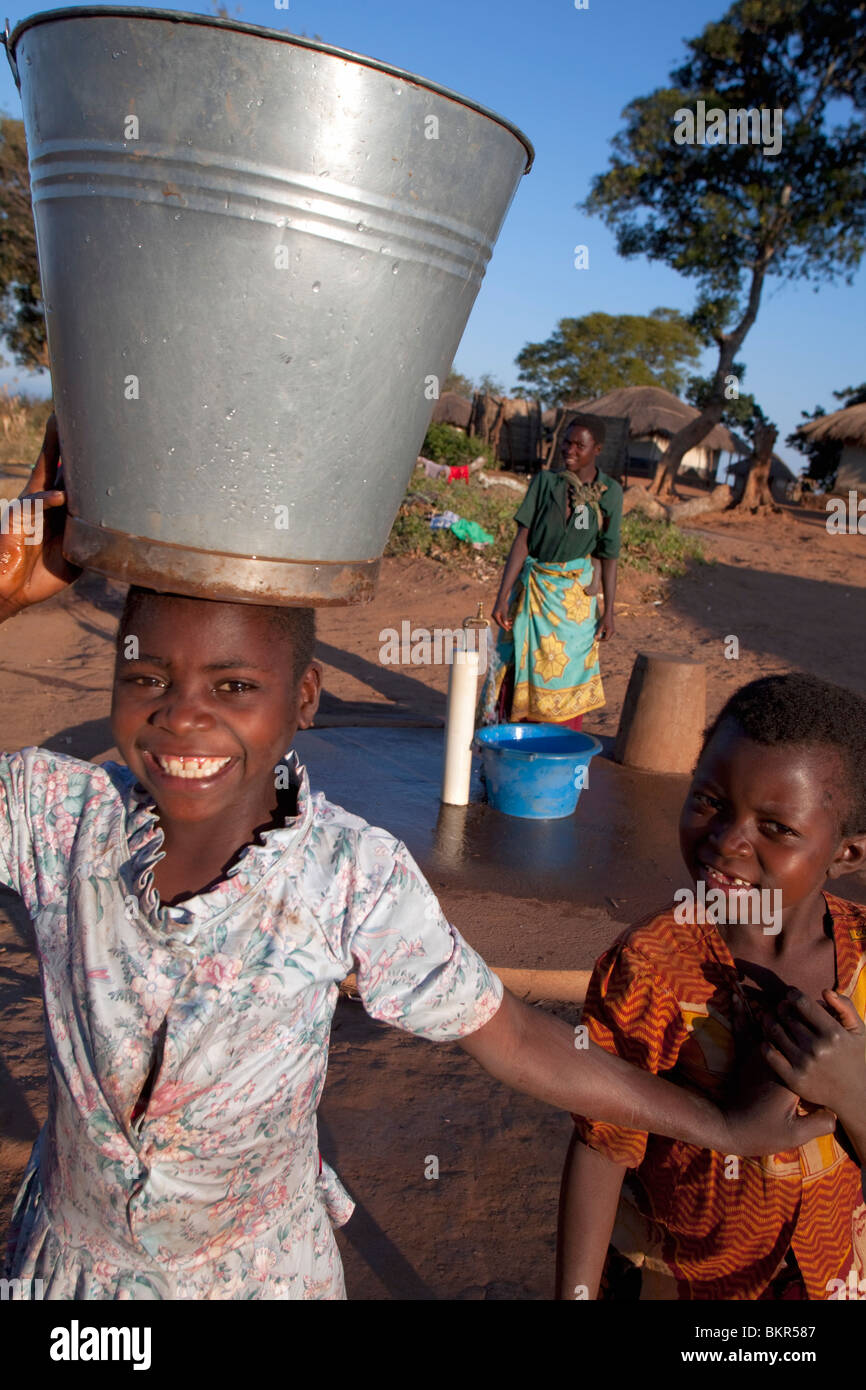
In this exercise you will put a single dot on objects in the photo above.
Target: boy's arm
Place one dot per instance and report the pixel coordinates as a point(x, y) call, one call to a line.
point(539, 1054)
point(588, 1201)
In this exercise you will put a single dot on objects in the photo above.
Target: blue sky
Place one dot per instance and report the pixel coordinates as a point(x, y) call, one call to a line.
point(564, 75)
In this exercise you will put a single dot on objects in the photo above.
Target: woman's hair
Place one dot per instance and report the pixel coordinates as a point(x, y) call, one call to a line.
point(799, 709)
point(296, 625)
point(593, 423)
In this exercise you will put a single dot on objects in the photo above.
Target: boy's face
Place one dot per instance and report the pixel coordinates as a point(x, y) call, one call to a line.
point(205, 706)
point(579, 449)
point(769, 816)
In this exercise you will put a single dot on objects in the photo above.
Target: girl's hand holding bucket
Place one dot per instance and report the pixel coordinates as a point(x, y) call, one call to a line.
point(32, 567)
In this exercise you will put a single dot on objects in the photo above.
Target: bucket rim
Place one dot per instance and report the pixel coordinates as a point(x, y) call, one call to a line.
point(595, 745)
point(262, 31)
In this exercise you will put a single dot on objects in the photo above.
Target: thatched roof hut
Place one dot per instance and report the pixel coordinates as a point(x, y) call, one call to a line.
point(848, 427)
point(452, 409)
point(778, 468)
point(654, 412)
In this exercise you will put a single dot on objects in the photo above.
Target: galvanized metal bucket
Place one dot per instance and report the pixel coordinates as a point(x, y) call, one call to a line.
point(258, 256)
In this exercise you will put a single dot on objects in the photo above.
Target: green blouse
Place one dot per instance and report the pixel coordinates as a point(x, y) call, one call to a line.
point(552, 538)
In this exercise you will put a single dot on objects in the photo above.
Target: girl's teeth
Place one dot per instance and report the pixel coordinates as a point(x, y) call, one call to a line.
point(728, 878)
point(192, 767)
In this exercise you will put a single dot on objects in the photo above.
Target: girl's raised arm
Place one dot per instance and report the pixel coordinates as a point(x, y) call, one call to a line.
point(539, 1054)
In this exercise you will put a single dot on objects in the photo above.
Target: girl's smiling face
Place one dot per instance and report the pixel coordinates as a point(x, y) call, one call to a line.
point(769, 817)
point(206, 706)
point(579, 449)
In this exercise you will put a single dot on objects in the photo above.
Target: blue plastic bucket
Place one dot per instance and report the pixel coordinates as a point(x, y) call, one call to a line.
point(535, 770)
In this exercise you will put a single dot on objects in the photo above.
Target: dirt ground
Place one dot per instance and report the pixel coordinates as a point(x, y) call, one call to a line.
point(793, 596)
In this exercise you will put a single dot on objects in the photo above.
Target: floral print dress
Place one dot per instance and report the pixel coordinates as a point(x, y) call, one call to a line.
point(216, 1189)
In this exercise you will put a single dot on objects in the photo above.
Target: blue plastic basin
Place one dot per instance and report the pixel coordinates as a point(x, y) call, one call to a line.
point(535, 770)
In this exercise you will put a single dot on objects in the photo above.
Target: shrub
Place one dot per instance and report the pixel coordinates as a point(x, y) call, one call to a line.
point(651, 545)
point(446, 444)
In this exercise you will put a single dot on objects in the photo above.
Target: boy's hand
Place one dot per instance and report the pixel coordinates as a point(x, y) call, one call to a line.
point(761, 1115)
point(767, 1122)
point(32, 567)
point(823, 1057)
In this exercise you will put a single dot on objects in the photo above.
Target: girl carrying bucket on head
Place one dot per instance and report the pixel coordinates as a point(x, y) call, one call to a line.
point(195, 909)
point(545, 663)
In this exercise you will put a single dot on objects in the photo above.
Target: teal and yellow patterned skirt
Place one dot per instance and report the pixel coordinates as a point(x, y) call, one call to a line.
point(552, 648)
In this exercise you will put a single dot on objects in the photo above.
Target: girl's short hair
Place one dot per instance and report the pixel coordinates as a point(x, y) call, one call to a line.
point(295, 625)
point(801, 709)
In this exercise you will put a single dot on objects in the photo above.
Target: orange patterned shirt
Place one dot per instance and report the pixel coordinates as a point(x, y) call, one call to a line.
point(701, 1224)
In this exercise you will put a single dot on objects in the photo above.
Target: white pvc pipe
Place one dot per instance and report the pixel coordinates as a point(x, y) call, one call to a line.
point(460, 727)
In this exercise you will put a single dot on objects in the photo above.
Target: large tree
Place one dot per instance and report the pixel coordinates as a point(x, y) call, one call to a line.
point(595, 354)
point(741, 412)
point(456, 381)
point(22, 316)
point(732, 214)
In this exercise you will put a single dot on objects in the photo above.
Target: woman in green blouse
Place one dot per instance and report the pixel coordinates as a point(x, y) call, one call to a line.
point(545, 669)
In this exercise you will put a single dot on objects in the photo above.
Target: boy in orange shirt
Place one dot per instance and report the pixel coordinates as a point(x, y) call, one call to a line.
point(777, 804)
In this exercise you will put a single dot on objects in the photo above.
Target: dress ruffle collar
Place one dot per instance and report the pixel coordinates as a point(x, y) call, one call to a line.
point(145, 837)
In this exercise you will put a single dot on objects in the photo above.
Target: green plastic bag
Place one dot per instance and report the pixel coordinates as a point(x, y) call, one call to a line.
point(471, 531)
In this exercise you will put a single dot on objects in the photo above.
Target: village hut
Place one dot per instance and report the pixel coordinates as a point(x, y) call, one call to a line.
point(849, 428)
point(452, 409)
point(655, 416)
point(781, 477)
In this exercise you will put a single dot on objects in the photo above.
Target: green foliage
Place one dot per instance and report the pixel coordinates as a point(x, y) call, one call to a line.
point(589, 356)
point(657, 546)
point(464, 386)
point(446, 444)
point(456, 381)
point(22, 317)
point(715, 211)
point(491, 386)
point(730, 214)
point(851, 395)
point(742, 414)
